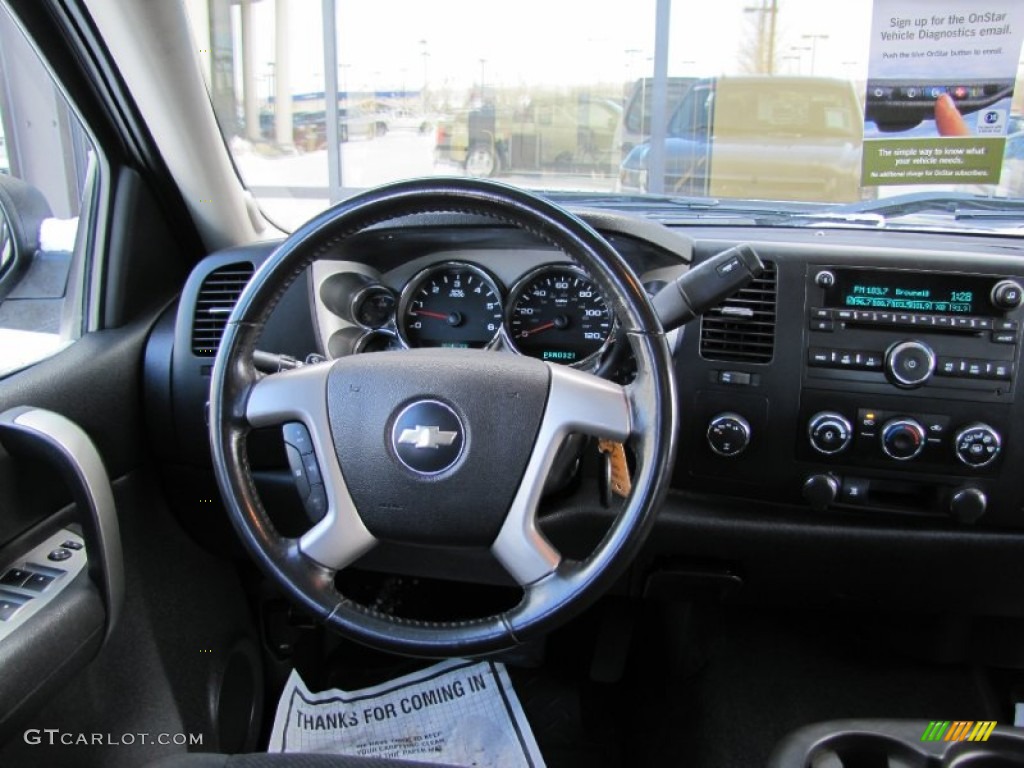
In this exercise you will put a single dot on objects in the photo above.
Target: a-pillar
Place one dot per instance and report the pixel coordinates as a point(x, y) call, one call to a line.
point(250, 99)
point(282, 77)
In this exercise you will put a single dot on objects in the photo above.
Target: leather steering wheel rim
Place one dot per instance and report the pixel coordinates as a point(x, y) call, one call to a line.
point(237, 390)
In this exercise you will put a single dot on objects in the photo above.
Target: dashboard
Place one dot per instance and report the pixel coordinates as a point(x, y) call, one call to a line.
point(864, 388)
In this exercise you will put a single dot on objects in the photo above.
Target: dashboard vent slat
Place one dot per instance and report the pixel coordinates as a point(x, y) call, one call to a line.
point(742, 328)
point(217, 297)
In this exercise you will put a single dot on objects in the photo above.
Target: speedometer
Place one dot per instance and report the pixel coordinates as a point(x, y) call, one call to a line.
point(557, 314)
point(451, 305)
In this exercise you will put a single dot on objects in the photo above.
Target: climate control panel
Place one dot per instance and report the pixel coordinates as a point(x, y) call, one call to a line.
point(891, 436)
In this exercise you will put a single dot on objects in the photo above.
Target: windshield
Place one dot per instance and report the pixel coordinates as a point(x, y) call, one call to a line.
point(811, 104)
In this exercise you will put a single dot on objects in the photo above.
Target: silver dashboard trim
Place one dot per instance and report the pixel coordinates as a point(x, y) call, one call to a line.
point(577, 403)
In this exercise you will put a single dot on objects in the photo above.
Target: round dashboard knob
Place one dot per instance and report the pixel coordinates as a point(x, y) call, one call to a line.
point(909, 363)
point(1007, 294)
point(825, 279)
point(821, 491)
point(829, 432)
point(977, 445)
point(728, 434)
point(902, 439)
point(968, 504)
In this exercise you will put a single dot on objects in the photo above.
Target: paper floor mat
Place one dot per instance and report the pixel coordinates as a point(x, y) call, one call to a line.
point(457, 712)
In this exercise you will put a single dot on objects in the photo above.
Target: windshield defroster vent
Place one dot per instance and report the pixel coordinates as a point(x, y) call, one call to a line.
point(742, 328)
point(217, 297)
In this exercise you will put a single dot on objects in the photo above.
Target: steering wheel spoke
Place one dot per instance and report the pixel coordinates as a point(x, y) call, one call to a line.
point(300, 395)
point(577, 403)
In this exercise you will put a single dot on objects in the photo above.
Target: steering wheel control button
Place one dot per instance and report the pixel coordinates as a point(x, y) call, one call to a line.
point(909, 363)
point(428, 437)
point(296, 435)
point(312, 470)
point(1007, 294)
point(903, 439)
point(298, 470)
point(728, 434)
point(59, 555)
point(977, 445)
point(829, 432)
point(316, 503)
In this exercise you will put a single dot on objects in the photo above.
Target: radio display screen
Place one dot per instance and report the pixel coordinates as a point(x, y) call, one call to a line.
point(945, 294)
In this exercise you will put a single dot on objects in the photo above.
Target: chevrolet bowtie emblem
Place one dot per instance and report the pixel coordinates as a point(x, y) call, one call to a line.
point(427, 437)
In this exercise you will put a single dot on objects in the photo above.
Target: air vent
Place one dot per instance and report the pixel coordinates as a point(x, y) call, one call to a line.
point(742, 328)
point(217, 297)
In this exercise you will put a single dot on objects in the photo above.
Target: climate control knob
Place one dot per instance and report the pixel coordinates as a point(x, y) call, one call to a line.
point(829, 432)
point(728, 434)
point(909, 363)
point(977, 445)
point(902, 439)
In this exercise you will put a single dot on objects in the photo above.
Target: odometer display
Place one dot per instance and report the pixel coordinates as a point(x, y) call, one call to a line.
point(557, 314)
point(454, 305)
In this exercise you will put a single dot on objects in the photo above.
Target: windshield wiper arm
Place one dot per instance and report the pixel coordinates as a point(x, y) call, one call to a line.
point(580, 198)
point(961, 204)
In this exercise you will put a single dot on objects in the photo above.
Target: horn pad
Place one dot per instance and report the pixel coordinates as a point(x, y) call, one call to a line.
point(434, 443)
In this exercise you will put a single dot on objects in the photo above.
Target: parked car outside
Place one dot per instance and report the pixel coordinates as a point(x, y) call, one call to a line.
point(544, 133)
point(770, 138)
point(635, 127)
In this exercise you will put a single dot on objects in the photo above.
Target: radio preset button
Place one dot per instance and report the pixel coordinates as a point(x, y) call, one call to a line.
point(1004, 325)
point(819, 357)
point(873, 361)
point(910, 363)
point(844, 314)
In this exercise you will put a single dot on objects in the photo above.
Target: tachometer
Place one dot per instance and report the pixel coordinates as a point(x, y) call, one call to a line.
point(452, 305)
point(556, 314)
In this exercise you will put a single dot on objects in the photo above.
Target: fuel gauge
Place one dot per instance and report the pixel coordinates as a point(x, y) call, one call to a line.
point(358, 299)
point(373, 306)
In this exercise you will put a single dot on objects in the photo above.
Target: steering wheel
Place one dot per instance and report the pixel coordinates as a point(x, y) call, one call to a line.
point(440, 446)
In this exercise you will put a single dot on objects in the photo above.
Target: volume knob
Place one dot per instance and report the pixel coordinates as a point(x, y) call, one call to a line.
point(909, 363)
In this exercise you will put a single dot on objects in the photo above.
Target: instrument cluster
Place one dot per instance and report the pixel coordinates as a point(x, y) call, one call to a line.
point(554, 312)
